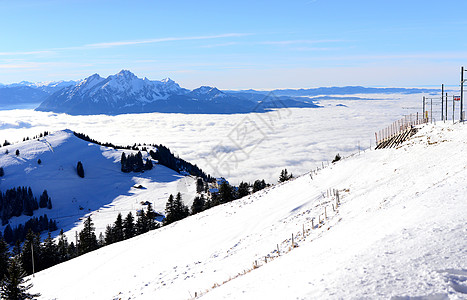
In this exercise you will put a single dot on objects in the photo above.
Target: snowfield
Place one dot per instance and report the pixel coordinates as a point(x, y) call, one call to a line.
point(400, 232)
point(104, 191)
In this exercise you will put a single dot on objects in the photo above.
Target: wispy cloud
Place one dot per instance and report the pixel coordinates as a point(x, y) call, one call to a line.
point(219, 45)
point(26, 53)
point(293, 42)
point(162, 40)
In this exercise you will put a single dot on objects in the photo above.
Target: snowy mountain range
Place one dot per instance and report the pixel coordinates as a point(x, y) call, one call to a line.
point(397, 230)
point(124, 92)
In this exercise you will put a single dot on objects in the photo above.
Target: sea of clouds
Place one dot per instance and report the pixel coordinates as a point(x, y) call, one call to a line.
point(239, 147)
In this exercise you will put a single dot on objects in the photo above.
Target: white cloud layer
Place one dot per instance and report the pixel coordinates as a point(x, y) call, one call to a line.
point(240, 147)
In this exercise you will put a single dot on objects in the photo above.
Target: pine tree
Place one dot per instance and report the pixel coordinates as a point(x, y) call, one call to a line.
point(8, 234)
point(87, 237)
point(80, 169)
point(31, 243)
point(151, 218)
point(4, 257)
point(49, 254)
point(2, 172)
point(336, 158)
point(169, 211)
point(243, 189)
point(39, 161)
point(109, 235)
point(148, 165)
point(14, 286)
point(44, 199)
point(118, 229)
point(258, 185)
point(284, 176)
point(198, 205)
point(129, 226)
point(226, 193)
point(62, 247)
point(17, 152)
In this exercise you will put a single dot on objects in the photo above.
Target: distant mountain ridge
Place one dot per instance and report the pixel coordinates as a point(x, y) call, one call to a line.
point(124, 93)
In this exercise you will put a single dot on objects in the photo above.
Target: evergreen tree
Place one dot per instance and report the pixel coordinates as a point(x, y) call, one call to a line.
point(49, 254)
point(62, 247)
point(199, 185)
point(87, 237)
point(141, 222)
point(4, 257)
point(39, 161)
point(129, 226)
point(109, 235)
point(175, 209)
point(32, 243)
point(243, 189)
point(285, 176)
point(2, 172)
point(44, 199)
point(118, 228)
point(198, 205)
point(17, 152)
point(151, 218)
point(8, 234)
point(336, 158)
point(80, 169)
point(101, 240)
point(169, 211)
point(14, 286)
point(148, 165)
point(226, 193)
point(258, 185)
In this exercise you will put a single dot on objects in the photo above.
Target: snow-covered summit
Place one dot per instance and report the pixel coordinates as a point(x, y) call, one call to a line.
point(397, 232)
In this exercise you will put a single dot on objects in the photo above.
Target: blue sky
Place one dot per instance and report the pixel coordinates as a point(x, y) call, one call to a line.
point(237, 44)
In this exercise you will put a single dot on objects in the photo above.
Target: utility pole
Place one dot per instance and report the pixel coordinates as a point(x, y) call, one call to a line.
point(442, 102)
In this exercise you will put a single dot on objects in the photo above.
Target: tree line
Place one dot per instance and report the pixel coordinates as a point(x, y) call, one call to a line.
point(163, 155)
point(17, 201)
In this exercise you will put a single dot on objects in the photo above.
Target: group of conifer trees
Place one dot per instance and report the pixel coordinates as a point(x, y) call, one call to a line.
point(134, 163)
point(17, 201)
point(36, 225)
point(163, 155)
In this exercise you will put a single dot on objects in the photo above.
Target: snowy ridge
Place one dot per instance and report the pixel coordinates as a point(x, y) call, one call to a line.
point(102, 193)
point(400, 231)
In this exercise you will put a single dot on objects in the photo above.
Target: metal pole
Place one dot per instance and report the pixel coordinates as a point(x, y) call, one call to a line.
point(431, 111)
point(462, 93)
point(423, 112)
point(446, 106)
point(453, 108)
point(32, 256)
point(442, 102)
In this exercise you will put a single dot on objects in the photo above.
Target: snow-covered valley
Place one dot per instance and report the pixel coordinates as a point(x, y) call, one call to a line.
point(399, 232)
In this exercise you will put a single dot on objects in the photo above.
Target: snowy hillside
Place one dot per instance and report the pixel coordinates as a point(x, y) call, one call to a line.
point(102, 193)
point(399, 232)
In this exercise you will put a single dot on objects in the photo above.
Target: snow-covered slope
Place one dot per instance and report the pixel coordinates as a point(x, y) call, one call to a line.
point(102, 193)
point(399, 232)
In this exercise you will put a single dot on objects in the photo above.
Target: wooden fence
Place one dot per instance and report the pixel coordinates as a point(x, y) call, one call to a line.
point(399, 126)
